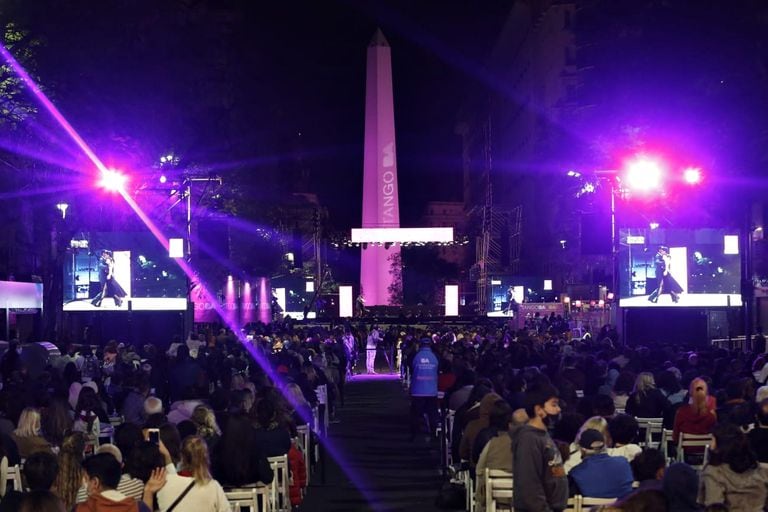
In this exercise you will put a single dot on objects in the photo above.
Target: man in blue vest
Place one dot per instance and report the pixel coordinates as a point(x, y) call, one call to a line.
point(424, 388)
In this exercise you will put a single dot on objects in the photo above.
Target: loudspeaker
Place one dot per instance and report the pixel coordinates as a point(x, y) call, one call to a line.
point(595, 233)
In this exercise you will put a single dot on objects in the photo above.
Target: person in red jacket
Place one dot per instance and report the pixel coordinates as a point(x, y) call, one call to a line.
point(698, 416)
point(298, 471)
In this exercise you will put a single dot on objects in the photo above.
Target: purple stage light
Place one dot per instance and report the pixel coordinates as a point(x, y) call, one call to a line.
point(692, 176)
point(113, 181)
point(644, 175)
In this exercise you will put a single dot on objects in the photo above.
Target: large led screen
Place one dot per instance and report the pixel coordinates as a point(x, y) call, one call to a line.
point(679, 268)
point(120, 271)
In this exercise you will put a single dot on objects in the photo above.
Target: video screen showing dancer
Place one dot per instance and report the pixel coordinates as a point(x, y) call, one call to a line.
point(110, 288)
point(121, 271)
point(678, 268)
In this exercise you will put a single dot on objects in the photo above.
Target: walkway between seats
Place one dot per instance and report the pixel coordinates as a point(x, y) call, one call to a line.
point(396, 474)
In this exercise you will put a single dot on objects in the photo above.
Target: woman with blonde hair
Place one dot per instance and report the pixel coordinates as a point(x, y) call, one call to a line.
point(594, 423)
point(28, 435)
point(193, 489)
point(207, 428)
point(69, 478)
point(646, 401)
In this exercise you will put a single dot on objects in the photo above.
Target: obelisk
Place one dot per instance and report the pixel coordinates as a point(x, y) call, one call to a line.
point(380, 200)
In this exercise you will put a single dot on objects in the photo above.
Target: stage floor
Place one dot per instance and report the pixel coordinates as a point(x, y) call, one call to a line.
point(136, 304)
point(686, 300)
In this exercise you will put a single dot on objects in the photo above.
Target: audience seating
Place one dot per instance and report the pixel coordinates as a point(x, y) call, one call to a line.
point(692, 441)
point(585, 502)
point(304, 442)
point(13, 476)
point(498, 486)
point(650, 426)
point(279, 491)
point(253, 499)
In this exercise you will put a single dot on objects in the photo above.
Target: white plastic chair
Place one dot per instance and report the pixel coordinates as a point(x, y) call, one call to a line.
point(692, 441)
point(13, 475)
point(255, 499)
point(650, 426)
point(498, 486)
point(280, 492)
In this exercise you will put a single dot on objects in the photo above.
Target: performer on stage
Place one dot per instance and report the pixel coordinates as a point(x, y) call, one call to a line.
point(360, 303)
point(666, 283)
point(109, 285)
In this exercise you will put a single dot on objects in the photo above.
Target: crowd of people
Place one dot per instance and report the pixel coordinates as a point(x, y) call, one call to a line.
point(561, 416)
point(200, 415)
point(193, 417)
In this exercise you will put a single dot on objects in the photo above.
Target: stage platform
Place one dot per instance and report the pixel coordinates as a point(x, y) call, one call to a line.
point(129, 304)
point(695, 300)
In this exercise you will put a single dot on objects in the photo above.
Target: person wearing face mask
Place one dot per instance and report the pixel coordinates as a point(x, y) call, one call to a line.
point(540, 483)
point(758, 436)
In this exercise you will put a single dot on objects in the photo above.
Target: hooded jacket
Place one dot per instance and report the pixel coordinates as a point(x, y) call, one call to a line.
point(740, 492)
point(111, 501)
point(540, 484)
point(681, 486)
point(474, 427)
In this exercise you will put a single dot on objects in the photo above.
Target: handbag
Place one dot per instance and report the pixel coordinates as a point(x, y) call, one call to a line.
point(181, 496)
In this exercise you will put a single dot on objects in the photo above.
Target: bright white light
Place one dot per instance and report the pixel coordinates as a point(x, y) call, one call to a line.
point(62, 207)
point(692, 176)
point(601, 303)
point(731, 244)
point(162, 159)
point(113, 180)
point(401, 235)
point(654, 225)
point(309, 287)
point(588, 188)
point(451, 300)
point(163, 179)
point(679, 257)
point(574, 174)
point(547, 285)
point(289, 256)
point(345, 301)
point(495, 282)
point(635, 240)
point(518, 292)
point(644, 175)
point(280, 295)
point(169, 158)
point(566, 300)
point(176, 247)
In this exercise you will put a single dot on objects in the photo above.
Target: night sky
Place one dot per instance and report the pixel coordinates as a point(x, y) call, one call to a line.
point(247, 86)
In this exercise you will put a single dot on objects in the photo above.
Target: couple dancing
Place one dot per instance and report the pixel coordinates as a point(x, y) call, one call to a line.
point(109, 285)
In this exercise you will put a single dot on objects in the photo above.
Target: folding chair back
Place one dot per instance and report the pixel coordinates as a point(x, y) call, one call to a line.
point(280, 492)
point(254, 499)
point(649, 427)
point(498, 486)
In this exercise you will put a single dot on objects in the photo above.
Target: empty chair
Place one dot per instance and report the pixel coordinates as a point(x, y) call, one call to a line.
point(648, 427)
point(696, 443)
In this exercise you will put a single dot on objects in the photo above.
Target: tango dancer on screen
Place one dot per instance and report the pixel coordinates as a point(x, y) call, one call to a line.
point(109, 285)
point(666, 283)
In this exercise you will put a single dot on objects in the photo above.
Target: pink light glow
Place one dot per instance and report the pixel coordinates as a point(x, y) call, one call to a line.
point(247, 304)
point(51, 108)
point(112, 180)
point(230, 301)
point(644, 175)
point(692, 176)
point(265, 315)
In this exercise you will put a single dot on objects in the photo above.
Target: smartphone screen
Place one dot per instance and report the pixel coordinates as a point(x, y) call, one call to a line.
point(154, 436)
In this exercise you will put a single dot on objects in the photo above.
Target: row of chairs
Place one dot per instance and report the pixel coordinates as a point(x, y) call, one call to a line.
point(275, 497)
point(498, 494)
point(656, 436)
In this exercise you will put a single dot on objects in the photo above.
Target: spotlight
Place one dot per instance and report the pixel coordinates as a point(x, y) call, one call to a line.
point(163, 160)
point(62, 207)
point(692, 176)
point(113, 181)
point(163, 179)
point(644, 175)
point(574, 174)
point(654, 225)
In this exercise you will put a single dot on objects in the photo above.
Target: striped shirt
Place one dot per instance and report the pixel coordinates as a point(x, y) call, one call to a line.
point(131, 487)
